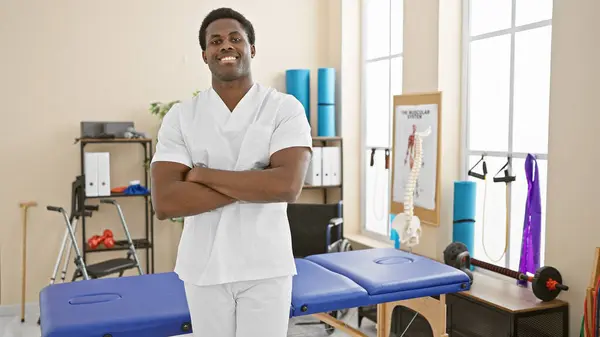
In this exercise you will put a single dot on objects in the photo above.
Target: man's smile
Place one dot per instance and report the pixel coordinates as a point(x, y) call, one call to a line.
point(228, 59)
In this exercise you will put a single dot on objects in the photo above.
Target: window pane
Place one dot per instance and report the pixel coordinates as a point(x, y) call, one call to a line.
point(530, 11)
point(377, 41)
point(397, 25)
point(518, 200)
point(488, 16)
point(493, 224)
point(377, 114)
point(396, 76)
point(532, 90)
point(489, 85)
point(377, 194)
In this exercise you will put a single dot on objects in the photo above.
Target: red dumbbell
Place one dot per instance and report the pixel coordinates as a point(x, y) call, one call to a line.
point(109, 242)
point(97, 240)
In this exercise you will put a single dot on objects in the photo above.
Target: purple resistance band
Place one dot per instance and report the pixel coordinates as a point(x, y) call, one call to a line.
point(530, 245)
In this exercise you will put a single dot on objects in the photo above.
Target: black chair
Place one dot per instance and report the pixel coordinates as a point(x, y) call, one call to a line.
point(316, 229)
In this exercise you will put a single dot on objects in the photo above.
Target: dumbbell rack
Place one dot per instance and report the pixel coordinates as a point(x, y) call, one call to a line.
point(145, 243)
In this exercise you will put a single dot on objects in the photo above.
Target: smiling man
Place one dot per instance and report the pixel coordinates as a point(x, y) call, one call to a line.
point(228, 161)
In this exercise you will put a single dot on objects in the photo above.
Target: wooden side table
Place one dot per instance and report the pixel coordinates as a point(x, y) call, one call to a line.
point(496, 306)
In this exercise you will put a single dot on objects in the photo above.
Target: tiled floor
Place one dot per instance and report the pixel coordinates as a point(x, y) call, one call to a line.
point(11, 326)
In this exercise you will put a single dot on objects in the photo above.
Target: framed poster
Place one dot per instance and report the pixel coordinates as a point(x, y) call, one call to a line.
point(416, 113)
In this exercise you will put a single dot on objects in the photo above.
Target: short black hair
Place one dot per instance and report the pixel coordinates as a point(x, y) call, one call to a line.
point(225, 13)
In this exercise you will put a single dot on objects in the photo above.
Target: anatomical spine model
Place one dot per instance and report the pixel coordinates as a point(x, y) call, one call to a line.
point(407, 224)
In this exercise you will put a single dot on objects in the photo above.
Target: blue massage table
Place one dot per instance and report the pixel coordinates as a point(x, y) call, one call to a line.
point(154, 305)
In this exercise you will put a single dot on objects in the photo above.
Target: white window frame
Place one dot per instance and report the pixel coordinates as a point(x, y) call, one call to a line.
point(363, 119)
point(466, 152)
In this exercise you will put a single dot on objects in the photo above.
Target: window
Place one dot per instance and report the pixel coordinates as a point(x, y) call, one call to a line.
point(506, 101)
point(382, 43)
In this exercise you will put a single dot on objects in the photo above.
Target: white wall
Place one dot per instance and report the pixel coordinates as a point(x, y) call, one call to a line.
point(67, 61)
point(572, 220)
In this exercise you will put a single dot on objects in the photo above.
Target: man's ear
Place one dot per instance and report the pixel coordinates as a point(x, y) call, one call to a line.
point(204, 56)
point(252, 51)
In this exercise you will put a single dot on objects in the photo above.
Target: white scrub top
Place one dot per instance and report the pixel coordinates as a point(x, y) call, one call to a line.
point(241, 241)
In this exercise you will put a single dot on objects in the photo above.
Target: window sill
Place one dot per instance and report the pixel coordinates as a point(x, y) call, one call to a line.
point(369, 241)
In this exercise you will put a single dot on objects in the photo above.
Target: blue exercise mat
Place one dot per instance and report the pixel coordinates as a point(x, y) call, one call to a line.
point(326, 86)
point(465, 204)
point(297, 84)
point(326, 121)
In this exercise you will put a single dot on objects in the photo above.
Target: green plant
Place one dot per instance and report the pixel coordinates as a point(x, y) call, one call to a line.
point(160, 109)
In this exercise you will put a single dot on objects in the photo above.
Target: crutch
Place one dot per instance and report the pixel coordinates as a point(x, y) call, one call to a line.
point(129, 240)
point(87, 212)
point(78, 260)
point(60, 255)
point(61, 252)
point(25, 206)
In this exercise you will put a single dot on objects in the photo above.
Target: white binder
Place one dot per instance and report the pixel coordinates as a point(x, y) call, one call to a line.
point(332, 166)
point(336, 165)
point(103, 173)
point(90, 162)
point(327, 166)
point(313, 175)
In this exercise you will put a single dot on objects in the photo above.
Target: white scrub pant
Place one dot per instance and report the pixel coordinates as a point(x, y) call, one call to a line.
point(242, 309)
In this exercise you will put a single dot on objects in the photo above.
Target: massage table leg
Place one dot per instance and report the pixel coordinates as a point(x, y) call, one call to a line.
point(336, 323)
point(433, 310)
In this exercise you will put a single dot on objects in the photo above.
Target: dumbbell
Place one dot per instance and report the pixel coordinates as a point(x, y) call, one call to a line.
point(106, 239)
point(546, 283)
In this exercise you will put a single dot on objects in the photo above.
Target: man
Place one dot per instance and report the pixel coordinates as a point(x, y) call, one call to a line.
point(229, 160)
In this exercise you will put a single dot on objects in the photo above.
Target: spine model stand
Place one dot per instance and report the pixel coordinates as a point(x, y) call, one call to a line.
point(407, 224)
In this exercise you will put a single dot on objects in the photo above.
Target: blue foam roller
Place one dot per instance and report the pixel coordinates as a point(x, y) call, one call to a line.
point(394, 236)
point(326, 83)
point(297, 84)
point(465, 203)
point(326, 121)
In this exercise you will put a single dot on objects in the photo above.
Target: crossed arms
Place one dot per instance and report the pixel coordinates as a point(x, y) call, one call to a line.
point(179, 191)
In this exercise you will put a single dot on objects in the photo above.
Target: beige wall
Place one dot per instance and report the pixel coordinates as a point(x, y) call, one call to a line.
point(432, 62)
point(572, 224)
point(77, 67)
point(63, 62)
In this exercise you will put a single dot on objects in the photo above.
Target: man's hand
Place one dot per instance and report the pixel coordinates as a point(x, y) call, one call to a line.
point(282, 181)
point(173, 197)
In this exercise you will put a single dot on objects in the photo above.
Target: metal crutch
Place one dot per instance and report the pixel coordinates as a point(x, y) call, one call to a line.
point(68, 257)
point(86, 212)
point(78, 260)
point(60, 254)
point(129, 240)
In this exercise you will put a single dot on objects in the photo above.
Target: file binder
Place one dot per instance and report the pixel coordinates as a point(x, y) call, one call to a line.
point(313, 175)
point(97, 174)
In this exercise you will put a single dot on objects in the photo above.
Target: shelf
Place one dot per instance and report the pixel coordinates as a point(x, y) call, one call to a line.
point(119, 195)
point(325, 139)
point(120, 245)
point(114, 140)
point(145, 241)
point(313, 187)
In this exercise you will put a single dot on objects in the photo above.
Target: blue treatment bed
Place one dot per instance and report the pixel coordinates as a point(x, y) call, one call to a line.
point(155, 304)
